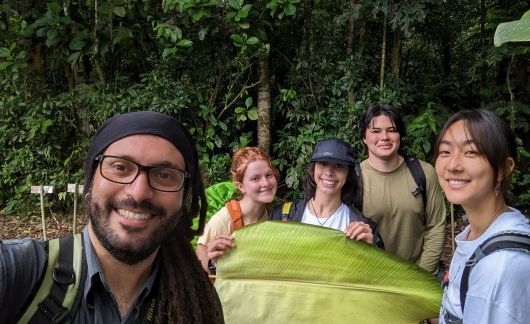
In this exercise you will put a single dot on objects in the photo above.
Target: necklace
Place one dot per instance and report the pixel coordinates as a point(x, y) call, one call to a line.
point(316, 215)
point(495, 216)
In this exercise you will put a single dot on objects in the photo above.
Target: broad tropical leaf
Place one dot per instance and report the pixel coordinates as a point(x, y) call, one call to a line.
point(284, 272)
point(217, 195)
point(517, 31)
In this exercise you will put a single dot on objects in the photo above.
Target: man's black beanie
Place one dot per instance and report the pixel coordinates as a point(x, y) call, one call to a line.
point(140, 122)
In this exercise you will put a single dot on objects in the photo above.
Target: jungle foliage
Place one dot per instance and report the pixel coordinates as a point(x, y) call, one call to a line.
point(280, 74)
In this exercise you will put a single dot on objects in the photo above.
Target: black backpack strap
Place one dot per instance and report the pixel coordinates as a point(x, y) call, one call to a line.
point(358, 199)
point(419, 177)
point(501, 241)
point(63, 279)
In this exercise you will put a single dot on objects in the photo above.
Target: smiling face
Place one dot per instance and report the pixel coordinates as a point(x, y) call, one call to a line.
point(131, 220)
point(330, 177)
point(259, 182)
point(465, 175)
point(382, 138)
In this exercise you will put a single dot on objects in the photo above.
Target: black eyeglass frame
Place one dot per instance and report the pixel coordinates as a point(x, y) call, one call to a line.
point(99, 158)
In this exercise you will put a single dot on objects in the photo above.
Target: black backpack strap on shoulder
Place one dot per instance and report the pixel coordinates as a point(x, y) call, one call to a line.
point(419, 177)
point(501, 241)
point(359, 196)
point(64, 275)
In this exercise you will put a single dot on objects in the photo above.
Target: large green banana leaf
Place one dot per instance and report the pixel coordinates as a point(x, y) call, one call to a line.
point(283, 272)
point(517, 31)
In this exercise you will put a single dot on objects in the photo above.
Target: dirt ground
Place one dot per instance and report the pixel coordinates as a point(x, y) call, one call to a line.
point(58, 225)
point(448, 249)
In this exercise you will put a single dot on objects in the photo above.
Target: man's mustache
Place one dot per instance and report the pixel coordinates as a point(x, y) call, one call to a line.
point(129, 203)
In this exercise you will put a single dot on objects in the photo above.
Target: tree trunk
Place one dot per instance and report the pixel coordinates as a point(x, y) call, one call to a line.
point(96, 54)
point(308, 8)
point(483, 45)
point(396, 53)
point(446, 52)
point(349, 45)
point(362, 29)
point(264, 105)
point(383, 52)
point(521, 73)
point(351, 28)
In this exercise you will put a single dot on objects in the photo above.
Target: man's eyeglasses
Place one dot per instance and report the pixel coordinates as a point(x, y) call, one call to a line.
point(120, 170)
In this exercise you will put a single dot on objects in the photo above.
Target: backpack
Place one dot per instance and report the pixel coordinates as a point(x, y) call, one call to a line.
point(234, 210)
point(286, 208)
point(519, 241)
point(417, 173)
point(501, 241)
point(62, 283)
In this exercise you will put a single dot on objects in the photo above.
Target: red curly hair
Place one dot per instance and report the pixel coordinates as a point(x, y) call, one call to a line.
point(243, 157)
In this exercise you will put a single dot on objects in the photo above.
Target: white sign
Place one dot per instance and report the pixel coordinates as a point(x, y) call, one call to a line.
point(45, 189)
point(71, 188)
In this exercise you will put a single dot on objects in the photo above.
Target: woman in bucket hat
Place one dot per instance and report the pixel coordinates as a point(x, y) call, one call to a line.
point(331, 185)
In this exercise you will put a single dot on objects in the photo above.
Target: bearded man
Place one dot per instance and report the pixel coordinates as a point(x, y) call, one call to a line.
point(143, 188)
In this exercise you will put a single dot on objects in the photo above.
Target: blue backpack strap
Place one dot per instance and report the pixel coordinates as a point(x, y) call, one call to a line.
point(63, 279)
point(502, 241)
point(419, 177)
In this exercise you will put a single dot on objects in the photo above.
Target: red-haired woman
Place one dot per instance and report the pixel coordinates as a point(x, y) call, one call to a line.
point(257, 180)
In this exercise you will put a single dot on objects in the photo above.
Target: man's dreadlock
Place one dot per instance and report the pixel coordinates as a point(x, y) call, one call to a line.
point(186, 294)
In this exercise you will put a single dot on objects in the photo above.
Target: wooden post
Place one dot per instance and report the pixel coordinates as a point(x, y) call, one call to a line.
point(41, 190)
point(75, 188)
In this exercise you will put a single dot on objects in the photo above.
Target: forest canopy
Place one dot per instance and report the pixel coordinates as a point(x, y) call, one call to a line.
point(280, 74)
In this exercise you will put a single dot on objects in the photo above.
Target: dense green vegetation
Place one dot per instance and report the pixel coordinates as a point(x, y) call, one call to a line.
point(280, 74)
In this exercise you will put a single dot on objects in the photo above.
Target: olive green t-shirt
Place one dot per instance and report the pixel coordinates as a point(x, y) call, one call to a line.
point(409, 230)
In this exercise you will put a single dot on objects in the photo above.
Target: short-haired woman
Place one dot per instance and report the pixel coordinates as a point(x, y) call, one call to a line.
point(475, 156)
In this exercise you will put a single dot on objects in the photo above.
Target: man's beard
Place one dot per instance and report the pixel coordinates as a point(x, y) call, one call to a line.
point(126, 252)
